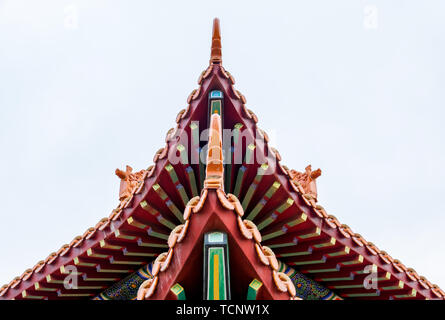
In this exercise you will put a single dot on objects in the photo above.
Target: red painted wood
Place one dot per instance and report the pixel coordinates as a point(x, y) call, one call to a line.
point(187, 262)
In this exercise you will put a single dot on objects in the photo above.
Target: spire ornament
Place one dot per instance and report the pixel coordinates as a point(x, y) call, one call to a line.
point(215, 53)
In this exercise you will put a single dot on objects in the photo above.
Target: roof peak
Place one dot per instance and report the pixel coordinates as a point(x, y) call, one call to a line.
point(215, 53)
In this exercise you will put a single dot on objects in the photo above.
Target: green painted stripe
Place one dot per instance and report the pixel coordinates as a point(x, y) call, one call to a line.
point(166, 223)
point(236, 133)
point(144, 204)
point(178, 291)
point(294, 254)
point(272, 235)
point(357, 295)
point(350, 286)
point(249, 154)
point(25, 295)
point(184, 197)
point(271, 217)
point(286, 227)
point(253, 289)
point(183, 154)
point(172, 173)
point(297, 221)
point(316, 233)
point(194, 128)
point(175, 211)
point(281, 245)
point(336, 279)
point(139, 254)
point(325, 244)
point(215, 107)
point(266, 222)
point(114, 270)
point(168, 202)
point(174, 178)
point(322, 270)
point(216, 274)
point(159, 235)
point(151, 245)
point(156, 187)
point(250, 192)
point(400, 285)
point(239, 180)
point(356, 261)
point(303, 263)
point(228, 169)
point(202, 168)
point(101, 279)
point(260, 205)
point(192, 180)
point(275, 186)
point(343, 252)
point(413, 293)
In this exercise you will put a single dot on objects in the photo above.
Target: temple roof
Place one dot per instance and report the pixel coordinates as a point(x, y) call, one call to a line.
point(281, 204)
point(223, 212)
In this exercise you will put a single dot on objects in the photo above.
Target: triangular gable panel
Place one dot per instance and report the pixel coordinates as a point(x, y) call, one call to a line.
point(185, 265)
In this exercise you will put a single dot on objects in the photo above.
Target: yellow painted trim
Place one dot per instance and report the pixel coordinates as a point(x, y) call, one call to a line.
point(215, 277)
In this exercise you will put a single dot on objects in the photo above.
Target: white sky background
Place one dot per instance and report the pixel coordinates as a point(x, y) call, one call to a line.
point(89, 86)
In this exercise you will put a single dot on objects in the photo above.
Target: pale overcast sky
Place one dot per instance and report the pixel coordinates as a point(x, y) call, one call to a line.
point(353, 87)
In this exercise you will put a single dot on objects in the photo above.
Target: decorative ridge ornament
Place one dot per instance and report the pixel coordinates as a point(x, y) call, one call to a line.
point(306, 180)
point(215, 53)
point(129, 181)
point(215, 167)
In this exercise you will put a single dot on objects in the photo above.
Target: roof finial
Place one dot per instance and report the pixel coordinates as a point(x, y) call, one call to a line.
point(215, 54)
